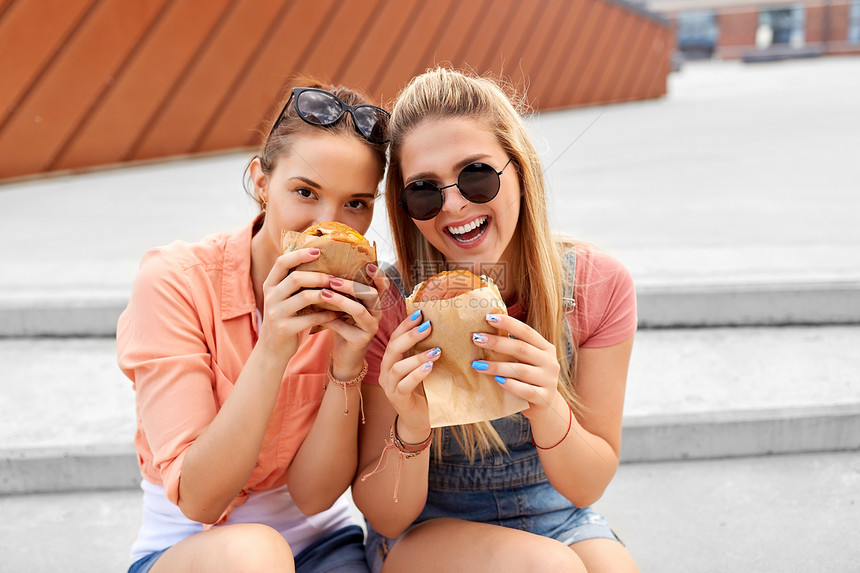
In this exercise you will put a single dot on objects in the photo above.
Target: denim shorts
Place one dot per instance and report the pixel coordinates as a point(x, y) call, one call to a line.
point(341, 551)
point(507, 489)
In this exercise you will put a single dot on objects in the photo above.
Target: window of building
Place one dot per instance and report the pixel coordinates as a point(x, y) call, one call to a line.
point(781, 26)
point(697, 33)
point(854, 23)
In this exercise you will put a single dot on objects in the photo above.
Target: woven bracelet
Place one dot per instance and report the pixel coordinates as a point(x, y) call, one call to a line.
point(345, 384)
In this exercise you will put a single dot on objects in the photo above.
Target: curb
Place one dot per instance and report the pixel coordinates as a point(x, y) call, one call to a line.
point(91, 314)
point(769, 304)
point(679, 437)
point(741, 433)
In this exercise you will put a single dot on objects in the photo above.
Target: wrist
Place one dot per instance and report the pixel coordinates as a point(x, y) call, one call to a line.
point(410, 433)
point(346, 368)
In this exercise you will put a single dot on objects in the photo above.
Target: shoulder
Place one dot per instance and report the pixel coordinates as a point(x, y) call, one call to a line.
point(605, 298)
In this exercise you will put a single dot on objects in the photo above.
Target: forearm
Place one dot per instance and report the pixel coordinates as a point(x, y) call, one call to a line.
point(374, 495)
point(221, 459)
point(578, 463)
point(325, 464)
point(379, 477)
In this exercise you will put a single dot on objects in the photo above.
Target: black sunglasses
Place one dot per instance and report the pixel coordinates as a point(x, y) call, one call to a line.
point(322, 108)
point(477, 182)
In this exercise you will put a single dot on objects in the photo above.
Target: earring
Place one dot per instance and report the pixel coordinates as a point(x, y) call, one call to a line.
point(265, 206)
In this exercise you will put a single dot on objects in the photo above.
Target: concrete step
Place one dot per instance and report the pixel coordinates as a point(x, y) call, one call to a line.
point(94, 312)
point(767, 514)
point(67, 414)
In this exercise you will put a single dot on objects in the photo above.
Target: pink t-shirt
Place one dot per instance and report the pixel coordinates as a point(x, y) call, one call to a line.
point(604, 314)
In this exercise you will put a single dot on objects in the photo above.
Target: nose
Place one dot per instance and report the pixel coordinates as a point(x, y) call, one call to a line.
point(453, 202)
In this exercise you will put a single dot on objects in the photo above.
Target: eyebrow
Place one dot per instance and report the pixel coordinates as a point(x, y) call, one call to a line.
point(310, 182)
point(458, 166)
point(315, 185)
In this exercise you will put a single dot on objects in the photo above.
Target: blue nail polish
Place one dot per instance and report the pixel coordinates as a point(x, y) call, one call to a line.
point(434, 352)
point(493, 318)
point(424, 326)
point(426, 366)
point(479, 337)
point(480, 365)
point(500, 379)
point(415, 315)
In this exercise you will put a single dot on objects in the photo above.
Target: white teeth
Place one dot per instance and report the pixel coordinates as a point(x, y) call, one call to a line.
point(468, 226)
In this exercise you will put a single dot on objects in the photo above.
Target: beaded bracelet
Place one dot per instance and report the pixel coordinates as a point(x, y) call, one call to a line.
point(563, 438)
point(346, 383)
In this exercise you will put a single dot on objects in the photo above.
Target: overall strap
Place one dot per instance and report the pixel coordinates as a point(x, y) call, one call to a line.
point(568, 300)
point(394, 276)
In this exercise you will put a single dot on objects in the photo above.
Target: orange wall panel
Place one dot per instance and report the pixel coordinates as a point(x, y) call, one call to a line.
point(24, 54)
point(95, 82)
point(71, 86)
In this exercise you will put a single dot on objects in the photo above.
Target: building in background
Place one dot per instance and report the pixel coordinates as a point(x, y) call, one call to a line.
point(762, 30)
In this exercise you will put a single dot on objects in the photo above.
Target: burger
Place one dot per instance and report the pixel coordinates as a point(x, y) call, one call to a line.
point(344, 253)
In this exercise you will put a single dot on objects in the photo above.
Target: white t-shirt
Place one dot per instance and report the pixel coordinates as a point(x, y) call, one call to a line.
point(164, 524)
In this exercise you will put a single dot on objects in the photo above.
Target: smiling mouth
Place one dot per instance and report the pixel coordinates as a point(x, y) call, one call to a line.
point(469, 232)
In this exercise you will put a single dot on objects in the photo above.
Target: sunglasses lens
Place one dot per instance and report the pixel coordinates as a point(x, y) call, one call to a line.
point(422, 200)
point(372, 122)
point(478, 182)
point(319, 108)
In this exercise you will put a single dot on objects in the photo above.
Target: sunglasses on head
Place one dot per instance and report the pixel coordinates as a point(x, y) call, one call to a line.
point(477, 182)
point(322, 108)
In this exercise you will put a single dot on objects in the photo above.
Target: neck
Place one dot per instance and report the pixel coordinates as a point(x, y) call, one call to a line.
point(262, 261)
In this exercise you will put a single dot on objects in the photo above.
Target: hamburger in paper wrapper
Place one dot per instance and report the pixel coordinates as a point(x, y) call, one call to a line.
point(456, 303)
point(344, 253)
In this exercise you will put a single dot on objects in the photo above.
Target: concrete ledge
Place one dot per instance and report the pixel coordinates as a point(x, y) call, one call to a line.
point(741, 433)
point(645, 439)
point(95, 313)
point(79, 313)
point(774, 304)
point(71, 468)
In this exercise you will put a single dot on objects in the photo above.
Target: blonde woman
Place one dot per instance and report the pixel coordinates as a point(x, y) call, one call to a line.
point(464, 190)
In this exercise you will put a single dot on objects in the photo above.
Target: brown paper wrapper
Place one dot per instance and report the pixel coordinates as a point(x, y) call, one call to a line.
point(457, 393)
point(339, 259)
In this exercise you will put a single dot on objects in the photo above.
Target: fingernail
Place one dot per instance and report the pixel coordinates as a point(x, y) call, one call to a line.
point(326, 293)
point(424, 326)
point(500, 379)
point(434, 352)
point(415, 315)
point(371, 268)
point(480, 365)
point(493, 318)
point(336, 282)
point(315, 251)
point(478, 337)
point(426, 366)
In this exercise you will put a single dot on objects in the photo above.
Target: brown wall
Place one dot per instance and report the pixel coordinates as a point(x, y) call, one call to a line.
point(96, 82)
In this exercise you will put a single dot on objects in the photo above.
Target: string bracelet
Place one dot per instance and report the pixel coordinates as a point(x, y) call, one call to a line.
point(405, 450)
point(563, 438)
point(345, 384)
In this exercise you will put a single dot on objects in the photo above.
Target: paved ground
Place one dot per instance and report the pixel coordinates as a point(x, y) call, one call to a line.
point(769, 515)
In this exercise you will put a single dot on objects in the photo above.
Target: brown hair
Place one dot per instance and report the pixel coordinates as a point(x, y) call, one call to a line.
point(289, 126)
point(442, 93)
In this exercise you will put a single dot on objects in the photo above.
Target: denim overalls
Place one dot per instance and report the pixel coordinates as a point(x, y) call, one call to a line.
point(508, 489)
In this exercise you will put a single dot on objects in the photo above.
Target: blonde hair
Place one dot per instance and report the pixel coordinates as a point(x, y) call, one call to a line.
point(442, 93)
